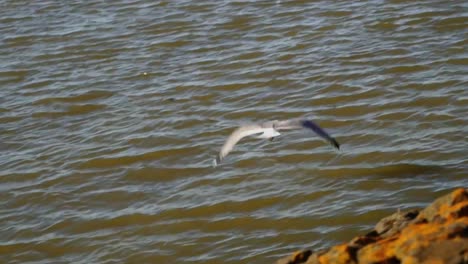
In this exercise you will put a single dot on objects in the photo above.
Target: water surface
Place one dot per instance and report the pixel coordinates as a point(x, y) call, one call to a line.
point(111, 112)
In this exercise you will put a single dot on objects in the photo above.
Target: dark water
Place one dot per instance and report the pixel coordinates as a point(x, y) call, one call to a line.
point(111, 112)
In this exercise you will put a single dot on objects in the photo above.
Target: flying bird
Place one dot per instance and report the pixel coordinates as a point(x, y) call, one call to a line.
point(270, 130)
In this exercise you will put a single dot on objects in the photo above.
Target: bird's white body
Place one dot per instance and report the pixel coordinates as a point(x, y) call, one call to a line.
point(269, 133)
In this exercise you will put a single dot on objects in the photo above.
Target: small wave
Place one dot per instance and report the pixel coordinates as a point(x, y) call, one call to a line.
point(78, 98)
point(130, 159)
point(72, 110)
point(392, 170)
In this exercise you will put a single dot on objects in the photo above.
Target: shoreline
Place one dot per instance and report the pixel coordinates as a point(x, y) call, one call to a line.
point(435, 234)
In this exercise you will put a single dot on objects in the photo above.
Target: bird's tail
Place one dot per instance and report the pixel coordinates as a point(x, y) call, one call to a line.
point(216, 161)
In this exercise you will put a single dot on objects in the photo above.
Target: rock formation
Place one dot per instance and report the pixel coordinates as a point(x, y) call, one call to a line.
point(437, 234)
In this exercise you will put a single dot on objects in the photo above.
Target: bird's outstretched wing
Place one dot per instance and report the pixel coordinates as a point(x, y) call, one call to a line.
point(237, 135)
point(304, 123)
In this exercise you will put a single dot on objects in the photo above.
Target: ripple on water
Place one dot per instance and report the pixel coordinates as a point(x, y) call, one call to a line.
point(72, 110)
point(79, 98)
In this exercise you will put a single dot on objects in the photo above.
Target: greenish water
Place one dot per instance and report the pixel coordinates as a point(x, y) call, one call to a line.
point(111, 112)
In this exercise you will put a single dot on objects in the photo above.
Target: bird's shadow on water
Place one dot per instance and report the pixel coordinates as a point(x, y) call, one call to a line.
point(333, 166)
point(408, 170)
point(378, 169)
point(397, 170)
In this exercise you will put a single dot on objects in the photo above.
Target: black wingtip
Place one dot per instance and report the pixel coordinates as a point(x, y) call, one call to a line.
point(317, 129)
point(335, 143)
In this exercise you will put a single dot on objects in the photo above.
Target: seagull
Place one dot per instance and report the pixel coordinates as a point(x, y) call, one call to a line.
point(269, 130)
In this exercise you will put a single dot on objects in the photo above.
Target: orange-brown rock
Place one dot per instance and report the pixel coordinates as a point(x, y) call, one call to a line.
point(437, 234)
point(296, 258)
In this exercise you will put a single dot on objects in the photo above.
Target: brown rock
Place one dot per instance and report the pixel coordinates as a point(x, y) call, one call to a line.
point(437, 234)
point(313, 259)
point(421, 243)
point(394, 223)
point(360, 241)
point(458, 210)
point(342, 254)
point(297, 257)
point(441, 206)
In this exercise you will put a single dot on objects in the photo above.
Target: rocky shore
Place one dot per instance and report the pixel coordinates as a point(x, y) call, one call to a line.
point(436, 234)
